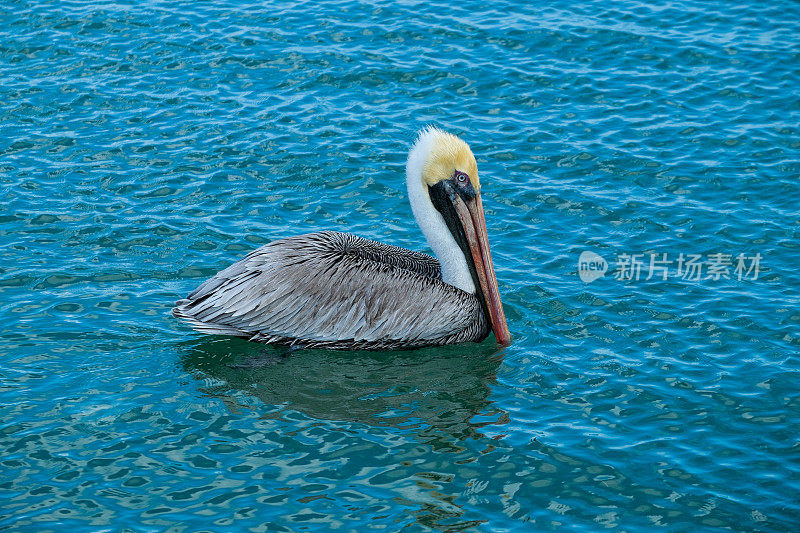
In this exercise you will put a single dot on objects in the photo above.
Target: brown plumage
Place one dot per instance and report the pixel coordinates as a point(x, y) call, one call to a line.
point(335, 290)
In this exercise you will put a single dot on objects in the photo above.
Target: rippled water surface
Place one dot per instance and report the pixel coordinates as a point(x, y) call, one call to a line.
point(146, 145)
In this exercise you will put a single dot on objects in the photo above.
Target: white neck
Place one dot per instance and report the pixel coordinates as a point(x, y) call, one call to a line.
point(455, 270)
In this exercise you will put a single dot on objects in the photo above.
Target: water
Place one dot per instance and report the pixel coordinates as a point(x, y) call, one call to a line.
point(146, 145)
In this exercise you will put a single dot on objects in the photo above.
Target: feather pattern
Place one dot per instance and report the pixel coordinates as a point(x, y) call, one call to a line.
point(335, 290)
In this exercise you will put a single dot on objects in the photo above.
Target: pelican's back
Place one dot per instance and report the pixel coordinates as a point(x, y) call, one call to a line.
point(335, 290)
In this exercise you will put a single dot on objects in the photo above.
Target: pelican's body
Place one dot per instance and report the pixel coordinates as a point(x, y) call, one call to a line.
point(336, 290)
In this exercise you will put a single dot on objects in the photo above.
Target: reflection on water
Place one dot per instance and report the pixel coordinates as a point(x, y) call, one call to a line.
point(430, 407)
point(432, 390)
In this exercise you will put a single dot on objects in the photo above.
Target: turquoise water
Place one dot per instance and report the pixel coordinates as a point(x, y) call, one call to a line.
point(146, 145)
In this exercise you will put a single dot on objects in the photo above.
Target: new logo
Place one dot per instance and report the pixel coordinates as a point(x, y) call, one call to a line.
point(591, 266)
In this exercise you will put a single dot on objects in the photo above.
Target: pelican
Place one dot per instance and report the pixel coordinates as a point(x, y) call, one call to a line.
point(339, 291)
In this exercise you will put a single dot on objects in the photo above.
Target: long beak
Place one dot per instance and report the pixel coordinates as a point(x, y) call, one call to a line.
point(470, 212)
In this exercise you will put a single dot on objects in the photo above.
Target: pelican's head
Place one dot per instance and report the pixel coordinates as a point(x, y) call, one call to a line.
point(447, 157)
point(444, 191)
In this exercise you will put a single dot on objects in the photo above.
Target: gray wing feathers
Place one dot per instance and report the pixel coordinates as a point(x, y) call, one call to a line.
point(333, 289)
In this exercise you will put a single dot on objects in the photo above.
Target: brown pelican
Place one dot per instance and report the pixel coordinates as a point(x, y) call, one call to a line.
point(336, 290)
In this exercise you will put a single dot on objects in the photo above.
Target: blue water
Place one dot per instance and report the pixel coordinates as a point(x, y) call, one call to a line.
point(146, 145)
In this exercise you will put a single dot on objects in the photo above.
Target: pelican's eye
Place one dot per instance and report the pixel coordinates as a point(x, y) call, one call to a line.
point(461, 177)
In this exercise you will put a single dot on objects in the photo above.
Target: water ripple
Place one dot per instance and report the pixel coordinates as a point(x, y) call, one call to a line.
point(145, 146)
